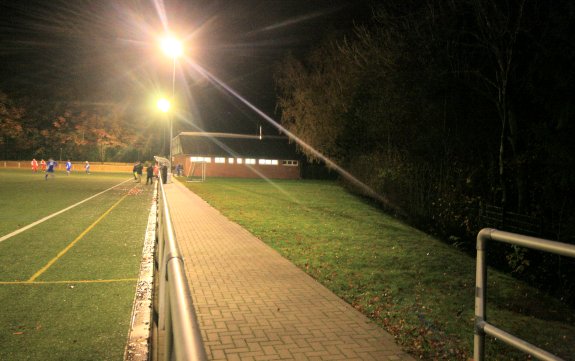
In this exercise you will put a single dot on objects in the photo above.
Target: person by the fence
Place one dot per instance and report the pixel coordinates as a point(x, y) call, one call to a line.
point(164, 172)
point(150, 174)
point(87, 167)
point(138, 174)
point(34, 164)
point(156, 170)
point(68, 167)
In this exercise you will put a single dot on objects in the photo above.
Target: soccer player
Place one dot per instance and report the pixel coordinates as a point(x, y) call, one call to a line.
point(50, 170)
point(43, 165)
point(68, 167)
point(34, 164)
point(87, 166)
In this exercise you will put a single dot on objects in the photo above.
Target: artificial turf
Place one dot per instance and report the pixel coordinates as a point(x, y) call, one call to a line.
point(79, 307)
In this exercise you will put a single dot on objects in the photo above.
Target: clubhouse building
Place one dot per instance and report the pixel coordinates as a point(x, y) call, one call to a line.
point(205, 155)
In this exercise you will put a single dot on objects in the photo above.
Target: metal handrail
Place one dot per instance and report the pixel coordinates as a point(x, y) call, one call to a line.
point(176, 315)
point(482, 327)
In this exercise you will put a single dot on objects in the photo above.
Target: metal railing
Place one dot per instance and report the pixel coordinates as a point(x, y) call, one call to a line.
point(177, 323)
point(482, 327)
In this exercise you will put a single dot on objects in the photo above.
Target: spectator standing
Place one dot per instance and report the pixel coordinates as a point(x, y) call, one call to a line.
point(164, 172)
point(50, 170)
point(34, 164)
point(68, 167)
point(138, 175)
point(156, 170)
point(150, 174)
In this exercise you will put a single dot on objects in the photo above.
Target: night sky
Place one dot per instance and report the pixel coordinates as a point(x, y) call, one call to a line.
point(106, 51)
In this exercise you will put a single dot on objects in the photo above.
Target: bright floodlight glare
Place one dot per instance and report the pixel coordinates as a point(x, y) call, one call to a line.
point(164, 105)
point(172, 47)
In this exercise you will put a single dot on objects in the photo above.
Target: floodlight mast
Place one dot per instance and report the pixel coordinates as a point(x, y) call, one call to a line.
point(172, 48)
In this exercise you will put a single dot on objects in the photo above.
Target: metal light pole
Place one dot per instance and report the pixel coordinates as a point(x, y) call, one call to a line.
point(172, 48)
point(170, 115)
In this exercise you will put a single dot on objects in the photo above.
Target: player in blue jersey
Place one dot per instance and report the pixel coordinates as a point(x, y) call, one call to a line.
point(50, 168)
point(68, 167)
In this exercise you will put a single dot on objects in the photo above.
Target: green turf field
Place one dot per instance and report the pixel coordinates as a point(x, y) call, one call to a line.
point(67, 284)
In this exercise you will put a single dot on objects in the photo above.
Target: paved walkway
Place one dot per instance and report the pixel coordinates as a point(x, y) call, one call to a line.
point(252, 304)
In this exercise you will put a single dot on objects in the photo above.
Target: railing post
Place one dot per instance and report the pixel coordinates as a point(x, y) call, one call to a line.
point(482, 327)
point(161, 227)
point(161, 261)
point(163, 298)
point(480, 294)
point(168, 337)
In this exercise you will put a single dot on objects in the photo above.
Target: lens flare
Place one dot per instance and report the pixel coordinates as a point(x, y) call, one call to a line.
point(171, 47)
point(164, 105)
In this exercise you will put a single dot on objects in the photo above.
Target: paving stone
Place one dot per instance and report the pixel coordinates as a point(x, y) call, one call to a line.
point(253, 304)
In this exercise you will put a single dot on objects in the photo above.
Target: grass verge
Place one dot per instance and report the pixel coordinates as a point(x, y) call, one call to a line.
point(413, 285)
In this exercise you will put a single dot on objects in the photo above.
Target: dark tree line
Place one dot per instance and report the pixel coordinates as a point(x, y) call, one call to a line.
point(43, 127)
point(447, 106)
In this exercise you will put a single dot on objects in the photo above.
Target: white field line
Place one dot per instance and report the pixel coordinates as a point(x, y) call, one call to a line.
point(25, 228)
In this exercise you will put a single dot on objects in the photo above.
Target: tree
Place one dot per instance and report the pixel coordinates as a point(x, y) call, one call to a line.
point(448, 105)
point(11, 129)
point(494, 40)
point(315, 96)
point(33, 126)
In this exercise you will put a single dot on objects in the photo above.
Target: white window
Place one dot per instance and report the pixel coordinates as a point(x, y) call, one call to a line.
point(219, 160)
point(231, 160)
point(267, 162)
point(250, 161)
point(201, 159)
point(240, 161)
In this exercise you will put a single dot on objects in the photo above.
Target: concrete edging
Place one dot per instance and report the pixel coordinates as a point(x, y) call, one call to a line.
point(139, 335)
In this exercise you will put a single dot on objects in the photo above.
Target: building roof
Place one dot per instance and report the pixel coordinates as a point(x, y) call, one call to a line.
point(234, 145)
